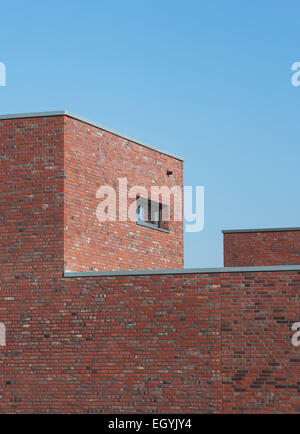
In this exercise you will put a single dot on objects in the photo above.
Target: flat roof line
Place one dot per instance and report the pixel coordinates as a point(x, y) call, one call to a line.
point(68, 274)
point(230, 231)
point(33, 114)
point(87, 121)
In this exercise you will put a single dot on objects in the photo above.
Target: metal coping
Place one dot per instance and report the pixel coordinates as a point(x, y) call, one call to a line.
point(94, 124)
point(181, 271)
point(231, 231)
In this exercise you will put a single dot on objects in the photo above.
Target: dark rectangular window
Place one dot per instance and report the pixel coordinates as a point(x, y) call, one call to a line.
point(149, 213)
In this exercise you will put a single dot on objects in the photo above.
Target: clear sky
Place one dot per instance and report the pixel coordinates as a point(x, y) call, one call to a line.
point(209, 80)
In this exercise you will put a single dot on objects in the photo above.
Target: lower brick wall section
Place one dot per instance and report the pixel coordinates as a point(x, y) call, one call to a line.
point(134, 344)
point(151, 343)
point(261, 367)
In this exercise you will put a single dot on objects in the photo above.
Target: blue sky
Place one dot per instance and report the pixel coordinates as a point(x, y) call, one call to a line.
point(207, 80)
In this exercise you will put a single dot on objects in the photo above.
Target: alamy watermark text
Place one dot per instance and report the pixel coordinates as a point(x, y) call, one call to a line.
point(296, 76)
point(2, 74)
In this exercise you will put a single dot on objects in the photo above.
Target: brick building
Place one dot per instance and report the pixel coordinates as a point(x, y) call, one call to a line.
point(88, 331)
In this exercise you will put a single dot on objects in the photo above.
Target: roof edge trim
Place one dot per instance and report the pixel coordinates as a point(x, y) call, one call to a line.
point(232, 231)
point(69, 274)
point(87, 121)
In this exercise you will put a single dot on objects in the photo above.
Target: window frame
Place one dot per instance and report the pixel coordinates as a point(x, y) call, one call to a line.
point(152, 224)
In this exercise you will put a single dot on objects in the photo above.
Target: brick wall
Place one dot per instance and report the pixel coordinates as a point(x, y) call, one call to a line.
point(31, 253)
point(31, 189)
point(278, 247)
point(151, 344)
point(94, 157)
point(260, 366)
point(111, 345)
point(203, 342)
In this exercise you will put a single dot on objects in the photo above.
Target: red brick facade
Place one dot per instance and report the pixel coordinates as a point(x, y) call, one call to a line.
point(261, 247)
point(94, 157)
point(203, 342)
